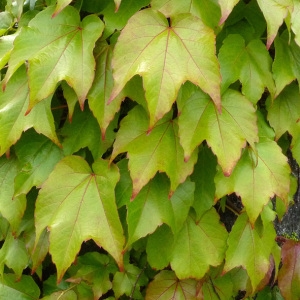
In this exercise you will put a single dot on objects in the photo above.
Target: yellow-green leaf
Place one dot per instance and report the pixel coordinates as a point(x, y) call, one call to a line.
point(166, 56)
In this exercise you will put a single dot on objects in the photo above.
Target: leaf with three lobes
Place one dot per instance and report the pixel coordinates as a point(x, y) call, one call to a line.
point(275, 12)
point(148, 153)
point(38, 156)
point(284, 111)
point(11, 209)
point(289, 275)
point(199, 245)
point(167, 286)
point(250, 63)
point(247, 249)
point(78, 204)
point(208, 11)
point(166, 56)
point(13, 105)
point(57, 49)
point(256, 178)
point(24, 288)
point(225, 133)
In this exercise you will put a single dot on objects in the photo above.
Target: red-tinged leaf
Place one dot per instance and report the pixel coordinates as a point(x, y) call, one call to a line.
point(117, 4)
point(226, 8)
point(56, 49)
point(199, 245)
point(289, 274)
point(78, 204)
point(256, 178)
point(225, 133)
point(251, 64)
point(13, 105)
point(147, 151)
point(275, 12)
point(166, 286)
point(166, 56)
point(284, 111)
point(246, 248)
point(61, 4)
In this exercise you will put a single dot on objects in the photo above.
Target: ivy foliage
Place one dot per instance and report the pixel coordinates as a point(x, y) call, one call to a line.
point(143, 148)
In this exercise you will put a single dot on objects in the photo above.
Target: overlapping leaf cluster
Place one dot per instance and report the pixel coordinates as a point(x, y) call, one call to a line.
point(125, 126)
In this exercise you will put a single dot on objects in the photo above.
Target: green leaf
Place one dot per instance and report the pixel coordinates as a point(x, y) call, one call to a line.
point(225, 133)
point(150, 209)
point(13, 105)
point(289, 277)
point(159, 247)
point(295, 24)
point(226, 8)
point(207, 10)
point(84, 131)
point(14, 255)
point(94, 270)
point(247, 249)
point(250, 63)
point(78, 204)
point(61, 4)
point(275, 12)
point(284, 111)
point(6, 46)
point(6, 21)
point(23, 289)
point(167, 286)
point(147, 150)
point(296, 141)
point(56, 49)
point(63, 295)
point(11, 209)
point(154, 53)
point(203, 176)
point(256, 178)
point(38, 156)
point(191, 259)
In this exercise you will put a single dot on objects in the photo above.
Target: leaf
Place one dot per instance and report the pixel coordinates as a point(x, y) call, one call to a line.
point(208, 11)
point(150, 209)
point(38, 156)
point(14, 255)
point(289, 277)
point(23, 289)
point(159, 247)
point(167, 286)
point(225, 133)
point(117, 3)
point(94, 270)
point(203, 176)
point(147, 151)
point(13, 104)
point(226, 8)
point(275, 11)
point(256, 178)
point(56, 49)
point(284, 111)
point(11, 210)
point(190, 258)
point(6, 46)
point(78, 204)
point(295, 24)
point(296, 142)
point(250, 63)
point(84, 131)
point(61, 4)
point(183, 42)
point(247, 249)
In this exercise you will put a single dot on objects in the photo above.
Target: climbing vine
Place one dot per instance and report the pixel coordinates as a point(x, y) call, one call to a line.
point(144, 149)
